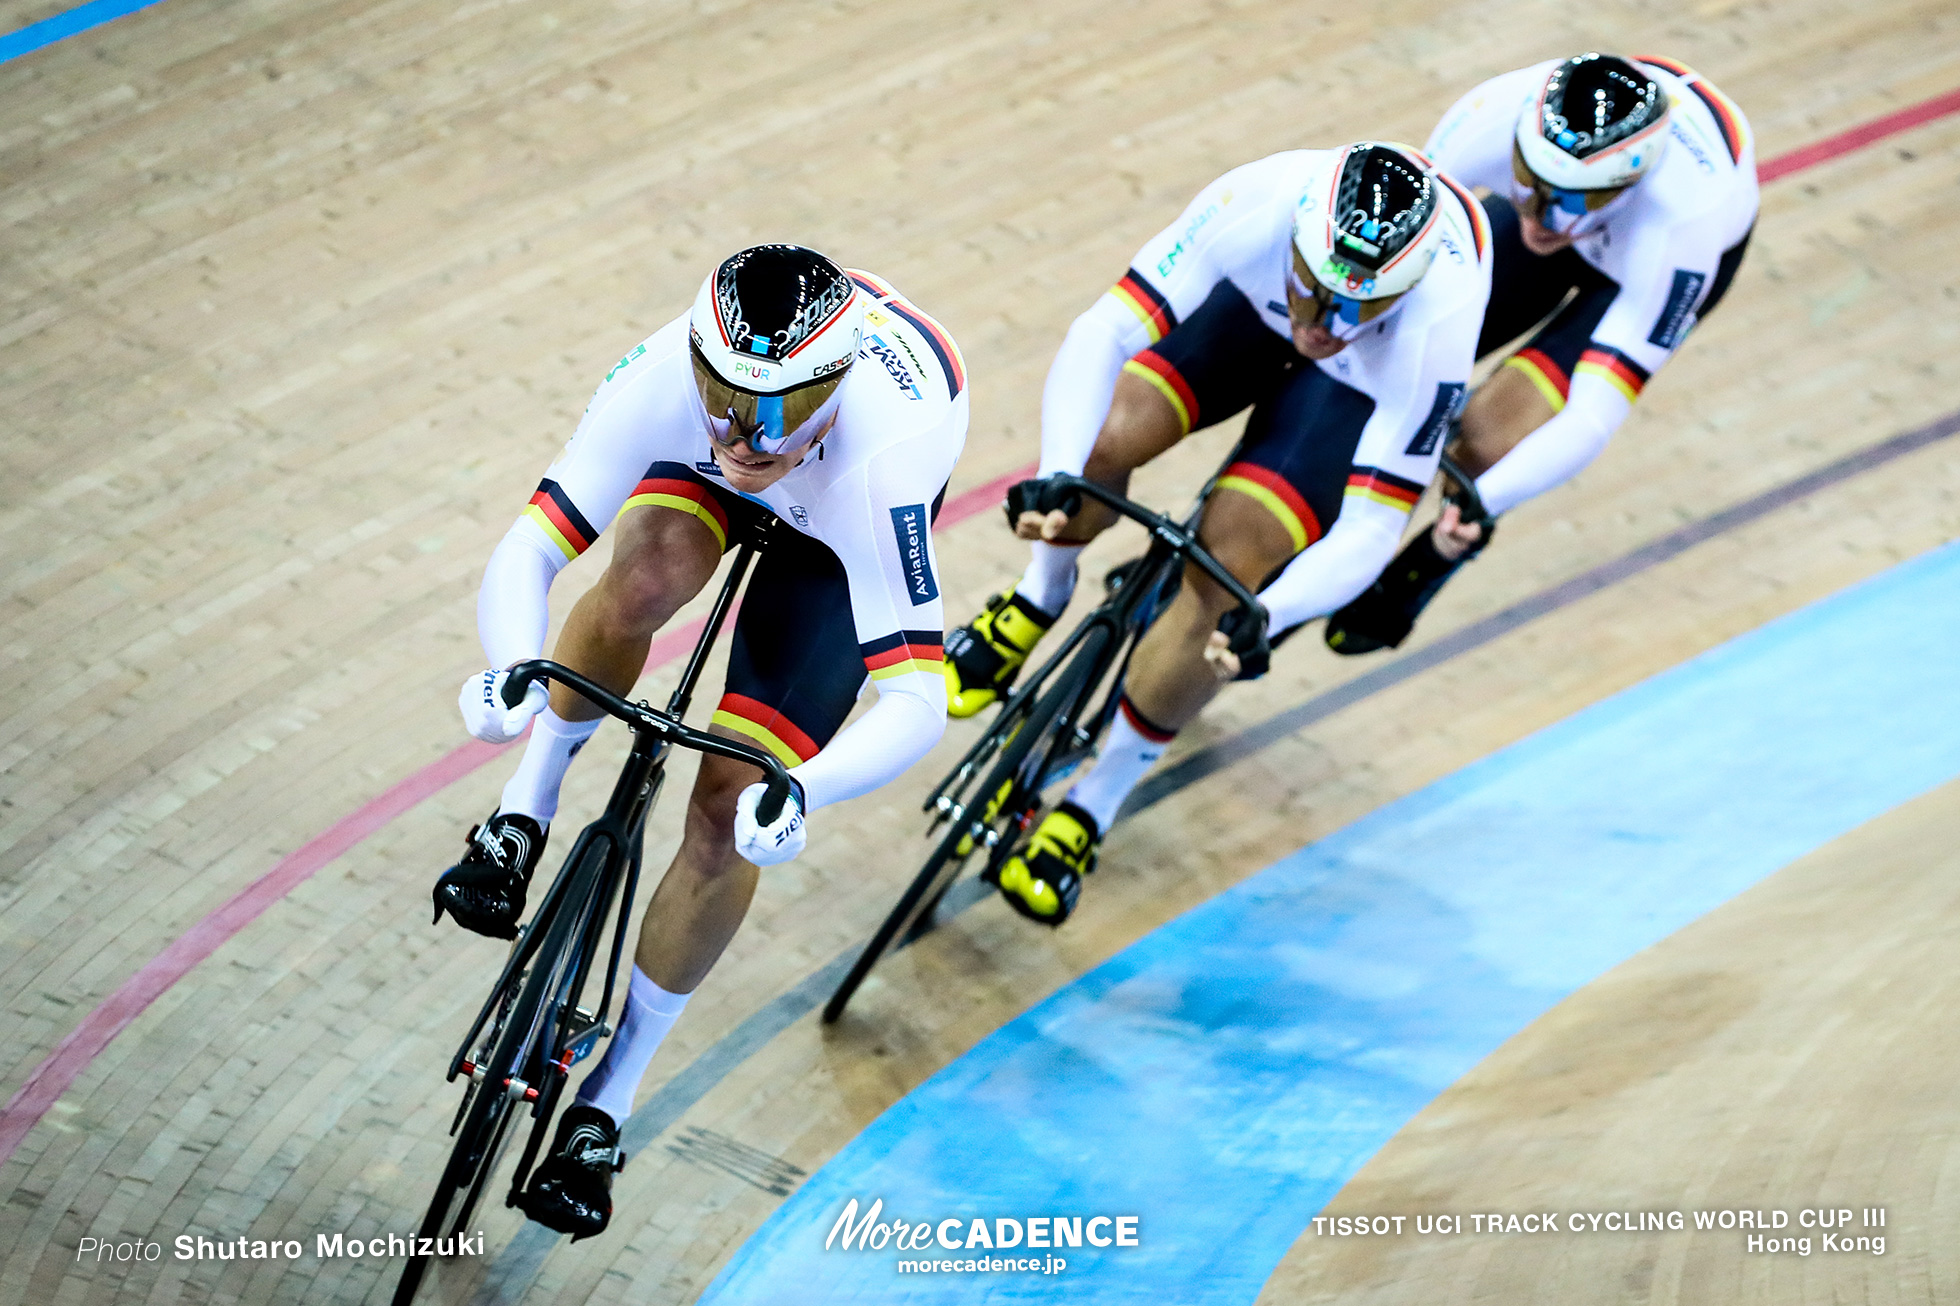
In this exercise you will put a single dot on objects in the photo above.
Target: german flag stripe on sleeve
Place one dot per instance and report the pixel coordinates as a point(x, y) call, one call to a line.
point(1479, 224)
point(1674, 66)
point(766, 726)
point(682, 496)
point(1725, 116)
point(1278, 497)
point(1727, 119)
point(1169, 382)
point(903, 652)
point(1626, 375)
point(1142, 299)
point(552, 509)
point(941, 343)
point(871, 285)
point(1545, 375)
point(1384, 487)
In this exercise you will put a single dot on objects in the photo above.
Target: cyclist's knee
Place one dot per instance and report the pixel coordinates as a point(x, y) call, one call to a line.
point(711, 806)
point(661, 560)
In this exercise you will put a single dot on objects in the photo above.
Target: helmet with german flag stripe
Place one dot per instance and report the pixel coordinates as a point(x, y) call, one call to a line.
point(1598, 123)
point(772, 333)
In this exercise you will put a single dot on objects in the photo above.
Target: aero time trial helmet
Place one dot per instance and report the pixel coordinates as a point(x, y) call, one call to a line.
point(1364, 232)
point(1596, 127)
point(772, 334)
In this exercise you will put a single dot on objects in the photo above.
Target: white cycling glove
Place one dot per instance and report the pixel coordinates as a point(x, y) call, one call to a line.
point(775, 843)
point(484, 713)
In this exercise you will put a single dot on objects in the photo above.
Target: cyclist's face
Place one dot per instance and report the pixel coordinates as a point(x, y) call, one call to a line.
point(757, 438)
point(1324, 322)
point(1556, 211)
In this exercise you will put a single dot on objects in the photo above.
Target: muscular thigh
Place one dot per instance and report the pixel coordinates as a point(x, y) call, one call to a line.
point(1294, 463)
point(670, 536)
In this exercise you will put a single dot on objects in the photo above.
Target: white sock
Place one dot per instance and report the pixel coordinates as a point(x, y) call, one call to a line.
point(554, 742)
point(1049, 581)
point(1133, 747)
point(650, 1012)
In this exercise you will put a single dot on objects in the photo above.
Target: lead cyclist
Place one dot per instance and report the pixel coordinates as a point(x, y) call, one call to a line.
point(794, 396)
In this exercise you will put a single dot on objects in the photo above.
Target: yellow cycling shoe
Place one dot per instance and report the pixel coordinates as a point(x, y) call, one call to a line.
point(1044, 879)
point(984, 656)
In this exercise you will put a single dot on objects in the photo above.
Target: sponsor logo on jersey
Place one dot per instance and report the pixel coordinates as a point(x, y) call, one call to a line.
point(910, 524)
point(879, 348)
point(1678, 313)
point(637, 351)
point(800, 515)
point(708, 468)
point(1691, 145)
point(1169, 261)
point(1447, 408)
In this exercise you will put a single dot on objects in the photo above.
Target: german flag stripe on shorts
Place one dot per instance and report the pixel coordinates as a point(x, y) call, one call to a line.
point(1545, 375)
point(1277, 497)
point(1626, 375)
point(1142, 299)
point(937, 339)
point(690, 497)
point(903, 652)
point(1169, 382)
point(1384, 487)
point(766, 726)
point(552, 509)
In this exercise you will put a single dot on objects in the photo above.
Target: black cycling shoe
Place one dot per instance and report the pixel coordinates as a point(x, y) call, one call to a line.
point(485, 891)
point(1383, 614)
point(571, 1190)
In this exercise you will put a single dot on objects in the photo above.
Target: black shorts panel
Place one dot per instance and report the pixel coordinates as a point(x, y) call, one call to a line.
point(794, 666)
point(1298, 451)
point(1216, 362)
point(1526, 288)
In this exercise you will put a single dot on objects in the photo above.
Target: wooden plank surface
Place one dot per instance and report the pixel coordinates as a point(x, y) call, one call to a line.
point(298, 301)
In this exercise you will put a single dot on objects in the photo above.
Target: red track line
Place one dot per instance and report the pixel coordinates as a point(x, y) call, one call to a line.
point(1858, 137)
point(71, 1056)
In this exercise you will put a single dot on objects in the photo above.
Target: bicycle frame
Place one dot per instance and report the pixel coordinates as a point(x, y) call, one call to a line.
point(1171, 542)
point(615, 839)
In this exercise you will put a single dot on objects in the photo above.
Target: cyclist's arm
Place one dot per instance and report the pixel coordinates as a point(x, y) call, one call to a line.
point(1169, 278)
point(1423, 389)
point(620, 435)
point(884, 540)
point(1667, 275)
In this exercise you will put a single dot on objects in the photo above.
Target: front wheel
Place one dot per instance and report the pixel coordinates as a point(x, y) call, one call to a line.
point(1011, 789)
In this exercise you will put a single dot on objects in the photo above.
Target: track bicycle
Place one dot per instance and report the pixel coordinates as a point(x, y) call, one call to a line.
point(531, 1030)
point(1052, 722)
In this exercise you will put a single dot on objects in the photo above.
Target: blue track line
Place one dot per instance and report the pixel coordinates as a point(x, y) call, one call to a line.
point(79, 19)
point(1225, 1075)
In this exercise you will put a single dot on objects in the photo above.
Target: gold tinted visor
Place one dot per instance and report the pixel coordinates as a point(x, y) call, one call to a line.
point(771, 424)
point(1310, 303)
point(1546, 198)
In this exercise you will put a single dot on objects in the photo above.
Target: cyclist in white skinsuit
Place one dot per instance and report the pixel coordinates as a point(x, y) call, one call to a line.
point(797, 399)
point(1631, 229)
point(1339, 292)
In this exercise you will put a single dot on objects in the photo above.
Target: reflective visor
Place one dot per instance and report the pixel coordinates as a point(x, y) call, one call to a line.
point(772, 424)
point(1311, 303)
point(1551, 206)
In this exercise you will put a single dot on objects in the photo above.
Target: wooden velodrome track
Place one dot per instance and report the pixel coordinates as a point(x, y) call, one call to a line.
point(300, 298)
